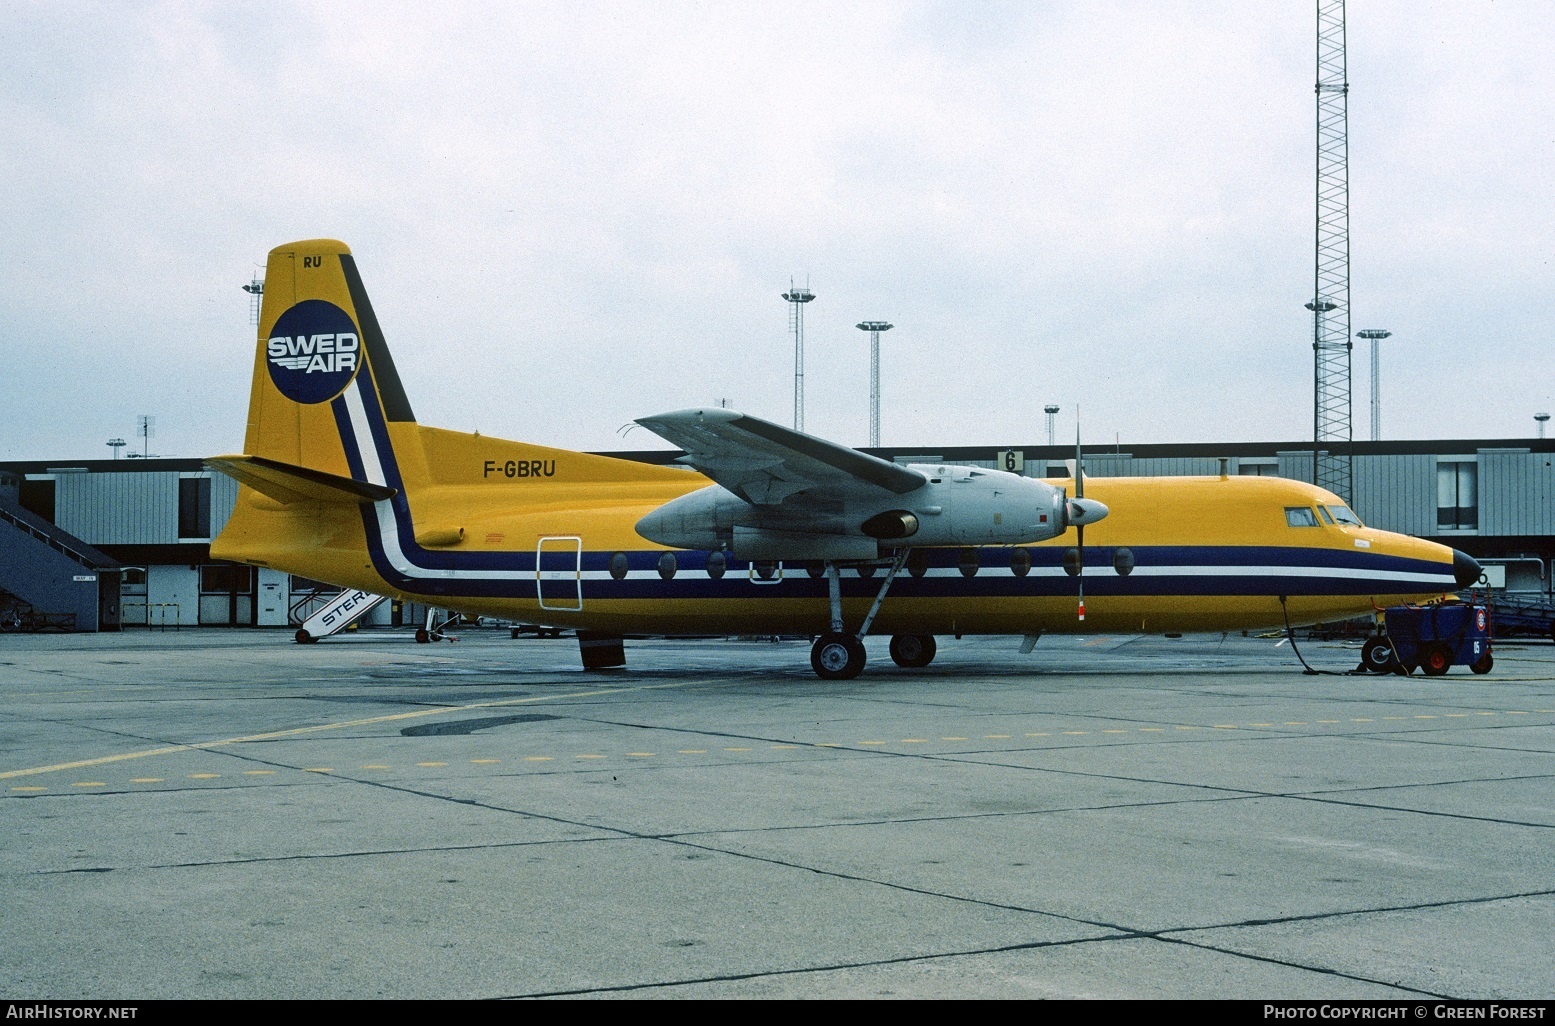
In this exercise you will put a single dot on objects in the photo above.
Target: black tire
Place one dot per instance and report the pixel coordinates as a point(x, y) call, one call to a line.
point(1377, 654)
point(422, 637)
point(1483, 664)
point(1435, 659)
point(913, 651)
point(837, 656)
point(304, 638)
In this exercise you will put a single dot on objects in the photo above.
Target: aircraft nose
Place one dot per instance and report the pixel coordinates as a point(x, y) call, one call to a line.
point(1465, 569)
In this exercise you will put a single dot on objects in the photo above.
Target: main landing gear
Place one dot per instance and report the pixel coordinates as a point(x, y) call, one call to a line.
point(838, 655)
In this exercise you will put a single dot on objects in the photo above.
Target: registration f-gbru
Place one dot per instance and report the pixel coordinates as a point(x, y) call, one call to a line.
point(764, 530)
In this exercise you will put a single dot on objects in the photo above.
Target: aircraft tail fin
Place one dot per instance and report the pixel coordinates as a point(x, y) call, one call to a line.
point(318, 339)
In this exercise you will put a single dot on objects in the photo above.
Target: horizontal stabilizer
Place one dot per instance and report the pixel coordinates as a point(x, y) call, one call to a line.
point(287, 484)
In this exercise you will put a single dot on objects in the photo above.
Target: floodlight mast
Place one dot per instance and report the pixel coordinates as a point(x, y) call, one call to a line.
point(874, 328)
point(1541, 419)
point(1051, 409)
point(1375, 335)
point(797, 298)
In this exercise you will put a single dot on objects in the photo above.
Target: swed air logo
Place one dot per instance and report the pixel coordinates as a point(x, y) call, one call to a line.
point(313, 351)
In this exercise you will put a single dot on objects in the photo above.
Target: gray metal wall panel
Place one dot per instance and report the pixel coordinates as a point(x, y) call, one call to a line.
point(1516, 491)
point(1297, 466)
point(118, 509)
point(224, 495)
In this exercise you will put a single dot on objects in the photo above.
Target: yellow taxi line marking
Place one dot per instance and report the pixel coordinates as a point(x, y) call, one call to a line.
point(1225, 726)
point(370, 765)
point(1151, 730)
point(265, 773)
point(590, 756)
point(693, 751)
point(1357, 719)
point(1453, 716)
point(1420, 717)
point(747, 749)
point(640, 755)
point(146, 780)
point(1395, 717)
point(1114, 732)
point(538, 758)
point(28, 787)
point(1187, 728)
point(89, 783)
point(782, 747)
point(1076, 732)
point(1485, 714)
point(1039, 733)
point(318, 769)
point(913, 740)
point(485, 762)
point(337, 725)
point(1260, 724)
point(968, 739)
point(431, 764)
point(204, 776)
point(1336, 721)
point(1515, 712)
point(1294, 723)
point(996, 737)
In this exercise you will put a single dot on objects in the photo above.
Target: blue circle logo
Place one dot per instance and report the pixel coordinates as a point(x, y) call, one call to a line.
point(313, 351)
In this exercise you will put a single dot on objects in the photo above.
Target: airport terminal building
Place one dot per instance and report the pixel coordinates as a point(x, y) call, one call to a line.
point(109, 544)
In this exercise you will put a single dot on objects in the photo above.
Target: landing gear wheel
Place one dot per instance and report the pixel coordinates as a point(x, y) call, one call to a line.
point(304, 638)
point(1435, 660)
point(913, 650)
point(423, 637)
point(1483, 664)
point(837, 656)
point(1377, 654)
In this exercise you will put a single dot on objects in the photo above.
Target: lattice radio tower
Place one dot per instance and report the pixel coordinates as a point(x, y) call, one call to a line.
point(1330, 305)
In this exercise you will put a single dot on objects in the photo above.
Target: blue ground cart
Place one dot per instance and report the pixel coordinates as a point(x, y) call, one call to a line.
point(1434, 638)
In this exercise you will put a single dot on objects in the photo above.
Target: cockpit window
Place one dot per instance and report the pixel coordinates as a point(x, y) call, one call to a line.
point(1322, 511)
point(1344, 515)
point(1300, 516)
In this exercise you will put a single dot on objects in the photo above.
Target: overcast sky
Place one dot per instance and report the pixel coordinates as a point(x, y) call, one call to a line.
point(571, 215)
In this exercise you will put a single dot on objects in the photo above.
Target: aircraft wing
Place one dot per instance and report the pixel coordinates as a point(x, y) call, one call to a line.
point(764, 463)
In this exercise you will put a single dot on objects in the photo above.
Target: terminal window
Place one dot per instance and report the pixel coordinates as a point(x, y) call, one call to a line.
point(194, 507)
point(1457, 496)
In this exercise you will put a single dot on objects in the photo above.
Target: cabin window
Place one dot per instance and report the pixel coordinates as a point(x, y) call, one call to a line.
point(1457, 496)
point(1300, 516)
point(1322, 511)
point(1345, 516)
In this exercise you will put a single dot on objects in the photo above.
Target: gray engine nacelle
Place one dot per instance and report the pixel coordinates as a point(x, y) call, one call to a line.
point(955, 506)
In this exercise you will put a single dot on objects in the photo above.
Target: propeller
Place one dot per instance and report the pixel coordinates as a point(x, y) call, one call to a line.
point(1079, 495)
point(1080, 511)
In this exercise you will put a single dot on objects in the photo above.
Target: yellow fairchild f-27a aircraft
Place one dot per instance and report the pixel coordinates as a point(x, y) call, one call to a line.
point(776, 532)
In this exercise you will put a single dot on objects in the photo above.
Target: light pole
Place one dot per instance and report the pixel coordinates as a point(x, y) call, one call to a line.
point(118, 443)
point(1542, 419)
point(1051, 409)
point(874, 328)
point(1375, 335)
point(797, 298)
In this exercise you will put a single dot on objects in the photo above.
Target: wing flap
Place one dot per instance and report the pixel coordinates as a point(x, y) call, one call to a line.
point(287, 484)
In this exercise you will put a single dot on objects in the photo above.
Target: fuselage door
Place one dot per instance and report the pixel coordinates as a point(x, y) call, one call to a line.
point(559, 573)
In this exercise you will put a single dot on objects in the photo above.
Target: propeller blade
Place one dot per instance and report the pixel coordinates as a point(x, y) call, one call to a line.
point(1079, 495)
point(1080, 577)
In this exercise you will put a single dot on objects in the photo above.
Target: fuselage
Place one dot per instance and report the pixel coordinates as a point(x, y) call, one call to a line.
point(541, 535)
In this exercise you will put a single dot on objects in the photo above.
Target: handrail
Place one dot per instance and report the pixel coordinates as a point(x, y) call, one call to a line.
point(51, 542)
